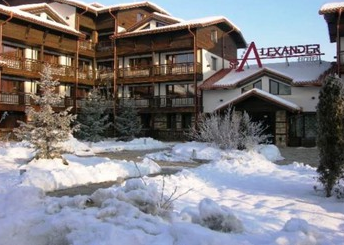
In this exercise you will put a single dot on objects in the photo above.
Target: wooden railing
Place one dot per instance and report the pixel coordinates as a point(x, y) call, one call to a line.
point(104, 74)
point(160, 101)
point(35, 66)
point(104, 46)
point(15, 98)
point(87, 45)
point(159, 70)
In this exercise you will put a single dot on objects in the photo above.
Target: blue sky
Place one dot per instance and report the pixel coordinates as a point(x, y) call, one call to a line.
point(269, 23)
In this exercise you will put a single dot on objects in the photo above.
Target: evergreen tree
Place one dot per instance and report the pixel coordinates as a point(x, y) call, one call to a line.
point(330, 140)
point(46, 128)
point(92, 119)
point(127, 124)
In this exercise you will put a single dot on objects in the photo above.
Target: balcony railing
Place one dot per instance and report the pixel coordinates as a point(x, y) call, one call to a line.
point(104, 74)
point(35, 66)
point(159, 101)
point(104, 46)
point(87, 45)
point(15, 98)
point(159, 70)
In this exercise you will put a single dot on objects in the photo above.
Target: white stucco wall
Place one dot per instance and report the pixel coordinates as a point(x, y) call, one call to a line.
point(305, 97)
point(206, 65)
point(66, 11)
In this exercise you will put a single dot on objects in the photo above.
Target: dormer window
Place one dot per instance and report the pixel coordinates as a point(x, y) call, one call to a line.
point(159, 24)
point(277, 88)
point(139, 17)
point(213, 36)
point(257, 84)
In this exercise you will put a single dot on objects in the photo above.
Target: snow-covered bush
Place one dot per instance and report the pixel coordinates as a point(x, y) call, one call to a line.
point(300, 232)
point(45, 127)
point(92, 118)
point(218, 218)
point(146, 198)
point(232, 130)
point(339, 189)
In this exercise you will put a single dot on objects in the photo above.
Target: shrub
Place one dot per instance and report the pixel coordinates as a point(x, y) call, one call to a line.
point(232, 130)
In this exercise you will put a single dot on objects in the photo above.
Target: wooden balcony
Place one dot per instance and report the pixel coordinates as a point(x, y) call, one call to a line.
point(31, 68)
point(160, 73)
point(87, 48)
point(104, 49)
point(87, 45)
point(19, 101)
point(165, 103)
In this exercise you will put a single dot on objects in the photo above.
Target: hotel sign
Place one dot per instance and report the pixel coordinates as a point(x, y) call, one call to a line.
point(308, 52)
point(289, 51)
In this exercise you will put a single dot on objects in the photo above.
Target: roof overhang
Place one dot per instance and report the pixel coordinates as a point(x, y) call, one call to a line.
point(221, 22)
point(270, 98)
point(333, 16)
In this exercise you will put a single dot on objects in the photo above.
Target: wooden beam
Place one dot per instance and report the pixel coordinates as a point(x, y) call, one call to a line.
point(27, 31)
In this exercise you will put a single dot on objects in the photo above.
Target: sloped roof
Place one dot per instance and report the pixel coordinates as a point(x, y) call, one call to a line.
point(98, 8)
point(22, 15)
point(330, 11)
point(295, 73)
point(42, 7)
point(196, 23)
point(331, 7)
point(290, 106)
point(154, 16)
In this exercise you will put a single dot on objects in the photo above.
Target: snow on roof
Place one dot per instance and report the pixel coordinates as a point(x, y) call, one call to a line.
point(331, 7)
point(298, 72)
point(168, 17)
point(184, 24)
point(37, 19)
point(97, 5)
point(27, 7)
point(99, 8)
point(264, 94)
point(133, 5)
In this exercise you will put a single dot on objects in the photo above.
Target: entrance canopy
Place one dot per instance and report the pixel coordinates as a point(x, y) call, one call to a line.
point(265, 96)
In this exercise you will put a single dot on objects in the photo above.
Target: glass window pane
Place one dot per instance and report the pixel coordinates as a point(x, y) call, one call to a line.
point(273, 87)
point(258, 85)
point(284, 89)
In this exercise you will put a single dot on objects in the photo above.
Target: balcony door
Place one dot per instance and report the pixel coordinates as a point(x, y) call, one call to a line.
point(142, 62)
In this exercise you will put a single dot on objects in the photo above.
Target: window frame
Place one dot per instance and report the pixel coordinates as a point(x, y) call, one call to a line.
point(279, 85)
point(213, 36)
point(213, 63)
point(252, 85)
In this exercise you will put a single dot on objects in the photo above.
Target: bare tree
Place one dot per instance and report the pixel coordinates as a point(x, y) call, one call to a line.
point(232, 130)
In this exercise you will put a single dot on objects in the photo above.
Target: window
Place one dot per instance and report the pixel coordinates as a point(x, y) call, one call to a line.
point(139, 17)
point(51, 58)
point(145, 61)
point(213, 63)
point(279, 88)
point(180, 58)
point(141, 91)
point(257, 84)
point(171, 121)
point(213, 36)
point(180, 89)
point(146, 121)
point(159, 24)
point(10, 86)
point(12, 51)
point(186, 120)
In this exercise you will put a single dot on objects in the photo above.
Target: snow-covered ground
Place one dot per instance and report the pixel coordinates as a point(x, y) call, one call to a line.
point(243, 194)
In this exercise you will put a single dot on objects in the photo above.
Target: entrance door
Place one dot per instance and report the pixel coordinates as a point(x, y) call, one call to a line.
point(268, 120)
